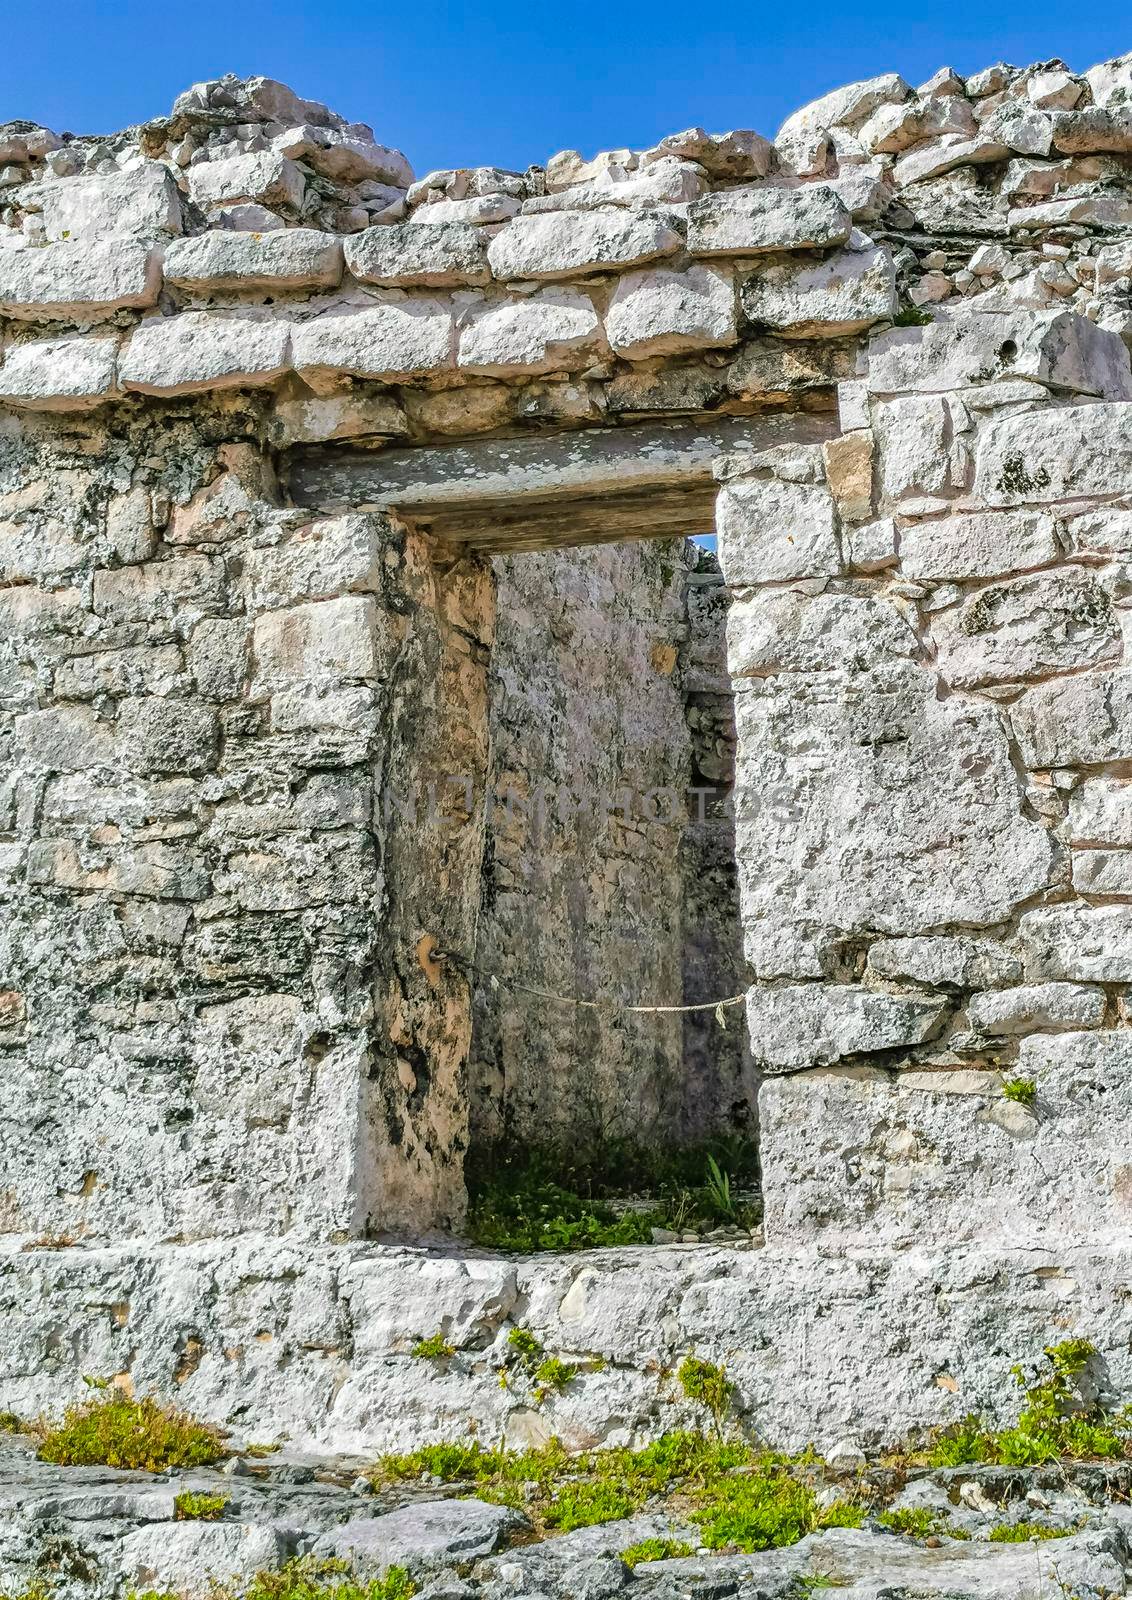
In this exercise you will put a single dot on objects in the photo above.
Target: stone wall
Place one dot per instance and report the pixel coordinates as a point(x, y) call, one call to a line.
point(245, 523)
point(927, 647)
point(206, 1025)
point(608, 694)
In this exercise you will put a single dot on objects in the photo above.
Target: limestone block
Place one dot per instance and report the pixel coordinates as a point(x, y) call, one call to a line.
point(947, 1145)
point(776, 631)
point(128, 671)
point(78, 282)
point(64, 739)
point(848, 107)
point(315, 419)
point(1111, 81)
point(871, 547)
point(1096, 128)
point(769, 530)
point(866, 802)
point(914, 447)
point(667, 182)
point(662, 312)
point(291, 258)
point(330, 557)
point(345, 156)
point(1094, 210)
point(1078, 943)
point(142, 201)
point(422, 1535)
point(942, 155)
point(477, 211)
point(944, 962)
point(73, 374)
point(893, 128)
point(394, 338)
point(203, 350)
point(264, 176)
point(1107, 872)
point(1107, 531)
point(426, 255)
point(745, 222)
point(1058, 622)
point(1042, 1007)
point(183, 588)
point(813, 1024)
point(218, 657)
point(848, 291)
point(559, 245)
point(320, 644)
point(738, 154)
point(1076, 721)
point(1056, 348)
point(1100, 812)
point(167, 736)
point(980, 544)
point(552, 330)
point(184, 1557)
point(849, 473)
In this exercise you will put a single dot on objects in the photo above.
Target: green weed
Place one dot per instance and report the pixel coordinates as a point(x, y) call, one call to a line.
point(116, 1431)
point(1023, 1532)
point(434, 1348)
point(1055, 1423)
point(1022, 1090)
point(655, 1550)
point(306, 1578)
point(708, 1385)
point(189, 1507)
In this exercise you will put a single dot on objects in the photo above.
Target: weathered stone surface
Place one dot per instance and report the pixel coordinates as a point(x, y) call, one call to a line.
point(811, 1024)
point(554, 329)
point(180, 1556)
point(1037, 456)
point(559, 245)
point(1059, 622)
point(666, 182)
point(945, 962)
point(1036, 1008)
point(1095, 128)
point(397, 338)
point(423, 1535)
point(746, 222)
point(950, 1143)
point(923, 846)
point(848, 107)
point(1100, 812)
point(977, 545)
point(292, 258)
point(1053, 348)
point(59, 374)
point(1078, 943)
point(778, 631)
point(769, 530)
point(661, 312)
point(142, 201)
point(78, 282)
point(1076, 721)
point(432, 256)
point(848, 291)
point(264, 176)
point(198, 351)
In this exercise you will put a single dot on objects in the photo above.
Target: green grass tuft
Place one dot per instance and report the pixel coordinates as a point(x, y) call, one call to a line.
point(1023, 1532)
point(1022, 1090)
point(655, 1550)
point(434, 1348)
point(307, 1578)
point(116, 1431)
point(190, 1507)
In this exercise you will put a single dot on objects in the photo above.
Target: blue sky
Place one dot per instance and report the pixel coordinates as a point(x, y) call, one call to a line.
point(510, 83)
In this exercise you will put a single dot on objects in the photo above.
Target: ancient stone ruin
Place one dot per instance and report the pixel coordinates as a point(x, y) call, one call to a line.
point(343, 520)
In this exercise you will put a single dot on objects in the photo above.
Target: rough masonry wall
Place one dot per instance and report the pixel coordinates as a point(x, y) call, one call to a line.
point(610, 888)
point(205, 1025)
point(928, 651)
